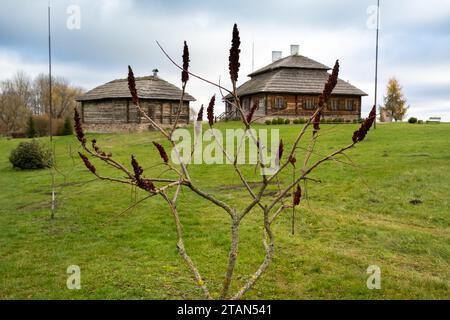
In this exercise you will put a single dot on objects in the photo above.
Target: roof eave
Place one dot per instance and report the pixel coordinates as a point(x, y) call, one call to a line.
point(81, 99)
point(362, 94)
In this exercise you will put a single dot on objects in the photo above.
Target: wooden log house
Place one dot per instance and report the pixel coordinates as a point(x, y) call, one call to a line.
point(290, 87)
point(108, 108)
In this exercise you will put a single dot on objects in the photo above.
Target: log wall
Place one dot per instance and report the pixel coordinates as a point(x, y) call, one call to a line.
point(295, 106)
point(122, 111)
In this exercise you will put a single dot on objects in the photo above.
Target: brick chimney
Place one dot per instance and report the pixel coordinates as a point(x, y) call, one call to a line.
point(276, 55)
point(294, 49)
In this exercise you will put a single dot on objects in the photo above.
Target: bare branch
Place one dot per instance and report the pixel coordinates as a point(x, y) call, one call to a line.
point(182, 250)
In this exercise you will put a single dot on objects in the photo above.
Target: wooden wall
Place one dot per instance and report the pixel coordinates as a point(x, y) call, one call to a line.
point(295, 105)
point(120, 111)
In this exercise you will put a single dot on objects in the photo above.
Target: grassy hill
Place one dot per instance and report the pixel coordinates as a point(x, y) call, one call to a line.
point(390, 209)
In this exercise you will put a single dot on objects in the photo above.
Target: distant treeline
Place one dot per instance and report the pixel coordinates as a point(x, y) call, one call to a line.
point(22, 97)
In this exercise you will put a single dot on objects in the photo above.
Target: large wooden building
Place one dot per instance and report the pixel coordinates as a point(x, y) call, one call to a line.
point(290, 87)
point(108, 108)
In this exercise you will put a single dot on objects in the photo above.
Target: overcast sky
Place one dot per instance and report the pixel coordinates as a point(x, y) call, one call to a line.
point(414, 41)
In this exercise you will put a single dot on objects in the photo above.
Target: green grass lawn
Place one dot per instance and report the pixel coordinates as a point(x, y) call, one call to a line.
point(358, 216)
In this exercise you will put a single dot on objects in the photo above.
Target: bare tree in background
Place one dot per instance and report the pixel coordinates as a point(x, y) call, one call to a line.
point(269, 206)
point(15, 100)
point(63, 96)
point(21, 97)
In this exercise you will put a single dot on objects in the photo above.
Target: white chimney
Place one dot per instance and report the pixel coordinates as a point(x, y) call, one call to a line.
point(276, 55)
point(294, 49)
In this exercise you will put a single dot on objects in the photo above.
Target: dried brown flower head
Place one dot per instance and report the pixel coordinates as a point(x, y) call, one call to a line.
point(361, 133)
point(78, 127)
point(331, 84)
point(234, 54)
point(200, 114)
point(326, 94)
point(162, 152)
point(292, 160)
point(210, 110)
point(87, 163)
point(147, 185)
point(316, 121)
point(280, 149)
point(297, 195)
point(132, 86)
point(142, 183)
point(251, 113)
point(98, 150)
point(185, 73)
point(138, 171)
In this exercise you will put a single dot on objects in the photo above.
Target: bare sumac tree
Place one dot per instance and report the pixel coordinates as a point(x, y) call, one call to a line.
point(270, 206)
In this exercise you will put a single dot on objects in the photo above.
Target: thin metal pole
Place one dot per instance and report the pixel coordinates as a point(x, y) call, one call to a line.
point(51, 111)
point(376, 61)
point(50, 74)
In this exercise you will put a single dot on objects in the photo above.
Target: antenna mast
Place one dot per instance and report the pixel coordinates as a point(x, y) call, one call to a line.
point(376, 61)
point(51, 110)
point(50, 73)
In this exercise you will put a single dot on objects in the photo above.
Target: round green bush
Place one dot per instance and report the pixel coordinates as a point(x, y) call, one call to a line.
point(295, 121)
point(274, 121)
point(31, 155)
point(301, 121)
point(280, 121)
point(268, 122)
point(287, 121)
point(412, 120)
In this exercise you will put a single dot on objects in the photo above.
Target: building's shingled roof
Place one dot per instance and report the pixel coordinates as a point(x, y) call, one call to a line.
point(294, 74)
point(297, 81)
point(150, 87)
point(293, 61)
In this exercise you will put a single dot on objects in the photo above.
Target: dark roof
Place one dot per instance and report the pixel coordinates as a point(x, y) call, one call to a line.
point(150, 87)
point(294, 74)
point(293, 61)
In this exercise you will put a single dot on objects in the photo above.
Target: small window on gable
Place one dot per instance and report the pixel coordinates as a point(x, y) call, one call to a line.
point(279, 103)
point(309, 104)
point(349, 104)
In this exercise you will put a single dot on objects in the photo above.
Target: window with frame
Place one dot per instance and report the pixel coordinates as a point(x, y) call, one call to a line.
point(175, 108)
point(333, 104)
point(261, 103)
point(349, 104)
point(245, 103)
point(308, 104)
point(279, 103)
